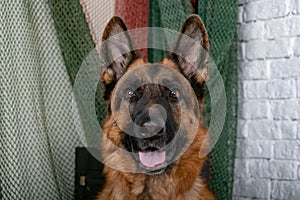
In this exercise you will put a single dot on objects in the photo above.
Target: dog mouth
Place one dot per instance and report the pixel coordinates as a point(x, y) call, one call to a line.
point(153, 162)
point(152, 155)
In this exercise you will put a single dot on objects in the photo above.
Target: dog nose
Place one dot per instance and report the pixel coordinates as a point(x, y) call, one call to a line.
point(152, 128)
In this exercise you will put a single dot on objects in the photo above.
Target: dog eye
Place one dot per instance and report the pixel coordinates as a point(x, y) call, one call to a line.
point(130, 94)
point(174, 94)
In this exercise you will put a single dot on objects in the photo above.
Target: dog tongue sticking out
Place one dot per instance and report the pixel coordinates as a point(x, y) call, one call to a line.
point(151, 159)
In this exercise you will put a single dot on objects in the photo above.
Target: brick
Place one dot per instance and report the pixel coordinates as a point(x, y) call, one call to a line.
point(255, 50)
point(298, 87)
point(279, 48)
point(241, 51)
point(299, 172)
point(298, 130)
point(283, 170)
point(254, 149)
point(288, 27)
point(242, 2)
point(285, 68)
point(296, 47)
point(240, 198)
point(259, 168)
point(286, 190)
point(255, 89)
point(265, 10)
point(259, 49)
point(285, 110)
point(254, 70)
point(242, 130)
point(251, 31)
point(254, 110)
point(295, 6)
point(262, 129)
point(268, 129)
point(240, 14)
point(241, 168)
point(254, 188)
point(278, 89)
point(288, 130)
point(287, 150)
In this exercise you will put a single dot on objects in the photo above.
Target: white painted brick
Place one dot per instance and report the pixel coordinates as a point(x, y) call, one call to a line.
point(256, 49)
point(251, 31)
point(289, 190)
point(287, 27)
point(259, 168)
point(240, 198)
point(295, 6)
point(241, 51)
point(296, 47)
point(279, 48)
point(298, 130)
point(283, 170)
point(268, 141)
point(241, 168)
point(255, 188)
point(259, 49)
point(255, 89)
point(276, 28)
point(254, 70)
point(287, 150)
point(242, 131)
point(284, 68)
point(242, 2)
point(262, 129)
point(265, 10)
point(240, 14)
point(254, 149)
point(287, 129)
point(282, 88)
point(268, 129)
point(298, 87)
point(286, 110)
point(254, 110)
point(239, 148)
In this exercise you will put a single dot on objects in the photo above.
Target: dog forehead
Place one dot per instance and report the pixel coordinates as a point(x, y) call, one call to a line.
point(148, 73)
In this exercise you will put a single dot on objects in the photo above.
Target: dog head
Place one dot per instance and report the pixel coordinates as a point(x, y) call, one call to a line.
point(152, 112)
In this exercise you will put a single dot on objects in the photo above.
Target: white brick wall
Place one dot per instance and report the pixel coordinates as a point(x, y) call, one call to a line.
point(267, 164)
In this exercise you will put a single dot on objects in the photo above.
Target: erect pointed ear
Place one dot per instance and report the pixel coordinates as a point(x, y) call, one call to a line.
point(191, 49)
point(116, 50)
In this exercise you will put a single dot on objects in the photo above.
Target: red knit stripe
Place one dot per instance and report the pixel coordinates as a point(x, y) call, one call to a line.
point(135, 13)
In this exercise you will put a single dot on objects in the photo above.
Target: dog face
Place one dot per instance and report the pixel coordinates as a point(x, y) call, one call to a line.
point(153, 109)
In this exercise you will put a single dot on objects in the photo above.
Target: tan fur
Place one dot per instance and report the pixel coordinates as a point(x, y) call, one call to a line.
point(170, 64)
point(136, 63)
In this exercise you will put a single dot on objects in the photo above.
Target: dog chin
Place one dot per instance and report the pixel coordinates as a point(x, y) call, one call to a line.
point(157, 170)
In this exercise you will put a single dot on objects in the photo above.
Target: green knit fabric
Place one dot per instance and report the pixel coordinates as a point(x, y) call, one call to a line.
point(166, 14)
point(38, 135)
point(75, 41)
point(220, 18)
point(73, 32)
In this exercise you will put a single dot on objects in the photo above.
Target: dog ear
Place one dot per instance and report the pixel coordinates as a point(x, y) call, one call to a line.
point(116, 50)
point(191, 49)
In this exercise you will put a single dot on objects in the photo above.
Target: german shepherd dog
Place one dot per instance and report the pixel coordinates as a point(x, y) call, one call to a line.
point(154, 128)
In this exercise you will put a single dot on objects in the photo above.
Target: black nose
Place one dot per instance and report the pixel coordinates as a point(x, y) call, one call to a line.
point(152, 128)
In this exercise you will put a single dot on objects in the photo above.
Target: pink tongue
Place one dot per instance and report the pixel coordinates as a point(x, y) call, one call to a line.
point(150, 159)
